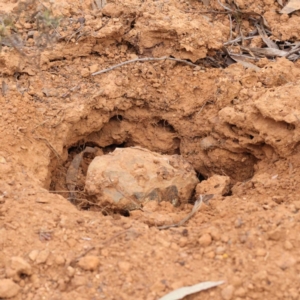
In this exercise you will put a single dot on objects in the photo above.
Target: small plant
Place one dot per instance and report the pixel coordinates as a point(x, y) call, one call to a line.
point(29, 24)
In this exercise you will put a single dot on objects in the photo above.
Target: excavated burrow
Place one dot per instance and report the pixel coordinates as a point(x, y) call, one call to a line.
point(209, 119)
point(220, 121)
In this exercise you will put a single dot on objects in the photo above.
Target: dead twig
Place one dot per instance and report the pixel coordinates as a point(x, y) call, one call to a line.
point(196, 207)
point(225, 7)
point(49, 146)
point(144, 59)
point(76, 259)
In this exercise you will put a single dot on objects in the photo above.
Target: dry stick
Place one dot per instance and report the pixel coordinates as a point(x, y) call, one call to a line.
point(293, 51)
point(230, 20)
point(105, 243)
point(196, 207)
point(238, 39)
point(201, 109)
point(49, 146)
point(225, 7)
point(144, 59)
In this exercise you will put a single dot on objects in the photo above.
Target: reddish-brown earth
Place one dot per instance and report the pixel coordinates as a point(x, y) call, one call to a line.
point(234, 122)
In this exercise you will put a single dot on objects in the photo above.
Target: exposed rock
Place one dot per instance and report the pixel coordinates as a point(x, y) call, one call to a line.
point(33, 254)
point(42, 256)
point(8, 289)
point(89, 263)
point(205, 240)
point(16, 267)
point(129, 177)
point(217, 185)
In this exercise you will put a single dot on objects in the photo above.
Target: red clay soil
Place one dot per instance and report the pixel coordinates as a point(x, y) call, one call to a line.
point(235, 122)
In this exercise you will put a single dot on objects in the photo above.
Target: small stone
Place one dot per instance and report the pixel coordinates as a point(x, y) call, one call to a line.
point(217, 184)
point(70, 271)
point(227, 292)
point(260, 252)
point(124, 266)
point(220, 250)
point(94, 68)
point(261, 275)
point(238, 223)
point(205, 240)
point(71, 242)
point(35, 280)
point(8, 289)
point(237, 281)
point(85, 72)
point(89, 263)
point(42, 256)
point(33, 254)
point(2, 160)
point(62, 286)
point(297, 204)
point(286, 261)
point(16, 267)
point(210, 254)
point(215, 233)
point(225, 238)
point(276, 235)
point(78, 281)
point(104, 252)
point(240, 292)
point(288, 245)
point(60, 260)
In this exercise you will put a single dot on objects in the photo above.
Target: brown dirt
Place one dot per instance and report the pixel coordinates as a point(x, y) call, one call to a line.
point(233, 121)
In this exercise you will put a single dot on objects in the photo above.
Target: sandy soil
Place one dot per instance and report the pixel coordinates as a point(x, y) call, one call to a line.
point(229, 121)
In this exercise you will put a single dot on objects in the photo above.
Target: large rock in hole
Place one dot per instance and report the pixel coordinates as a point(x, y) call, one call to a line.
point(130, 177)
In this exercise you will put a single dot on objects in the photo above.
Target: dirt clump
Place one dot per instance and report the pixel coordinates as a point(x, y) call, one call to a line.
point(237, 126)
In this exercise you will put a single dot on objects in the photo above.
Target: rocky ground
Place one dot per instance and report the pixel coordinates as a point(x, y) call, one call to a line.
point(224, 119)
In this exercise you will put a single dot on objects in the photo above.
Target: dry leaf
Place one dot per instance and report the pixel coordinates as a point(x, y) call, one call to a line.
point(239, 59)
point(265, 38)
point(291, 7)
point(269, 52)
point(188, 290)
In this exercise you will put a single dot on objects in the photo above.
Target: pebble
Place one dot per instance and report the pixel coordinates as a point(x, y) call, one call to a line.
point(8, 289)
point(286, 261)
point(70, 271)
point(205, 240)
point(240, 292)
point(288, 245)
point(33, 254)
point(227, 292)
point(42, 256)
point(297, 204)
point(89, 262)
point(85, 72)
point(261, 275)
point(17, 266)
point(238, 223)
point(237, 281)
point(260, 252)
point(220, 250)
point(215, 233)
point(124, 266)
point(78, 280)
point(2, 160)
point(60, 260)
point(276, 235)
